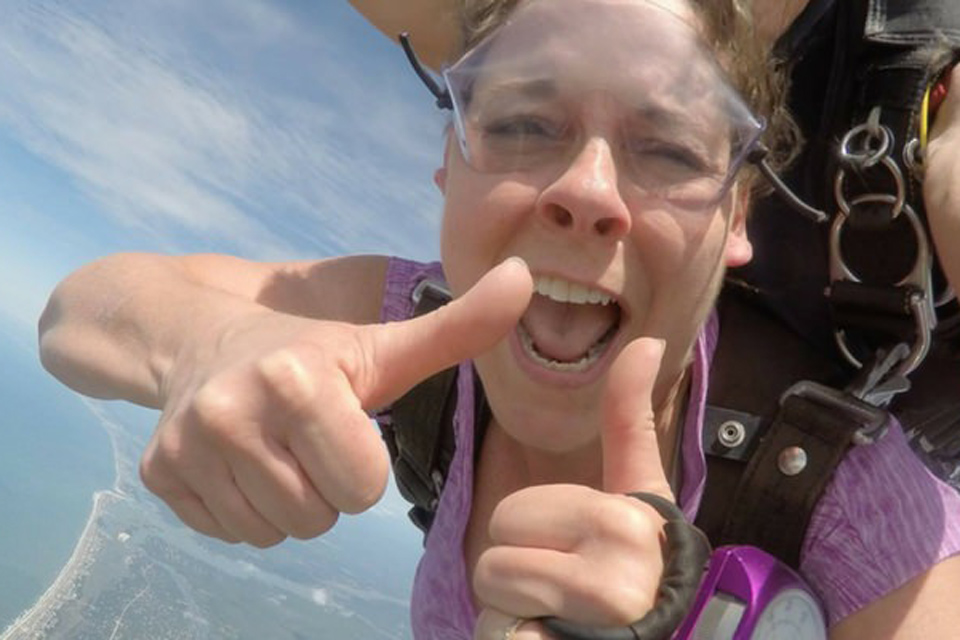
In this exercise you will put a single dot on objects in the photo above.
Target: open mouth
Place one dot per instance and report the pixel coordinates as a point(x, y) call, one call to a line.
point(568, 326)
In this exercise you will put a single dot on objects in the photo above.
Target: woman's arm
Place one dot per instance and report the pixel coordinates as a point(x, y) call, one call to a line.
point(264, 374)
point(113, 328)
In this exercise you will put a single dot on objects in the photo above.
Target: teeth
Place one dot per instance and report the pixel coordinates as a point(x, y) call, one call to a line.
point(568, 367)
point(563, 291)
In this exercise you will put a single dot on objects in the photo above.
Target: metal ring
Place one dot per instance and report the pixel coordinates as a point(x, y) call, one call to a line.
point(898, 200)
point(867, 157)
point(913, 157)
point(921, 304)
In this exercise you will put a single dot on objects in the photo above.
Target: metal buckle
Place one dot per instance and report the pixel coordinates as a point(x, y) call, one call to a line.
point(879, 383)
point(429, 287)
point(873, 420)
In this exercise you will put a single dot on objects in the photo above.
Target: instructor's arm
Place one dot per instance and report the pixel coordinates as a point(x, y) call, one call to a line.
point(432, 25)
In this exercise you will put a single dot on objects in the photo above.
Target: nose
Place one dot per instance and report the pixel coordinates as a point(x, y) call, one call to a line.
point(585, 197)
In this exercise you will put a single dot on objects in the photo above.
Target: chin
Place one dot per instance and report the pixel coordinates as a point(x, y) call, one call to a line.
point(558, 418)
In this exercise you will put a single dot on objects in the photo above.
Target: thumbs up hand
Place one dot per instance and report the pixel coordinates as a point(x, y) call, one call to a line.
point(265, 433)
point(589, 556)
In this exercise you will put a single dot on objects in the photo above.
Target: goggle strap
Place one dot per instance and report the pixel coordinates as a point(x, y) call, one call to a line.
point(758, 157)
point(443, 97)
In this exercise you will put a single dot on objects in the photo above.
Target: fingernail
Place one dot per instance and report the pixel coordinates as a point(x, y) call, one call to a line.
point(516, 259)
point(661, 347)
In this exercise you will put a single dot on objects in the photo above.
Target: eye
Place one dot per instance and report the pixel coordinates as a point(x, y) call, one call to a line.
point(668, 155)
point(522, 126)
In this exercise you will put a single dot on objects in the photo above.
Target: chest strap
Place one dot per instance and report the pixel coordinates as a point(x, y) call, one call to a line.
point(418, 429)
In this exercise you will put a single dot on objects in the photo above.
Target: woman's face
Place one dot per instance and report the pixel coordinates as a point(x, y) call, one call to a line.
point(587, 162)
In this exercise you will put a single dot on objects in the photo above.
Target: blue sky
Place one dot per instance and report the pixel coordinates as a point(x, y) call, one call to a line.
point(264, 129)
point(268, 130)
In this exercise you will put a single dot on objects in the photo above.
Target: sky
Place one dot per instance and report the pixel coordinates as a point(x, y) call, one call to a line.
point(269, 130)
point(263, 129)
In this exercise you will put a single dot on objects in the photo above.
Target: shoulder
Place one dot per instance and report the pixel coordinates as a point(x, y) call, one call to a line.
point(883, 520)
point(345, 288)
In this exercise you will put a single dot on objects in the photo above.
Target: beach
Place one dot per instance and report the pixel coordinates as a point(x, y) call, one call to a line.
point(36, 622)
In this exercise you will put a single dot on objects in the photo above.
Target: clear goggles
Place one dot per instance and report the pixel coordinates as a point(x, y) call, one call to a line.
point(634, 77)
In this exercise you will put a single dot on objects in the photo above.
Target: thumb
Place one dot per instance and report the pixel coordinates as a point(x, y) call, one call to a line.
point(631, 454)
point(401, 354)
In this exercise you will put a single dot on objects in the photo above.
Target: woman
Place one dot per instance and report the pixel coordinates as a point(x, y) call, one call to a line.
point(621, 193)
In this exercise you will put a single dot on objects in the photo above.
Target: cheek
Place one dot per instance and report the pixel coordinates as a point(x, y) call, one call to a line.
point(467, 237)
point(482, 218)
point(453, 250)
point(672, 245)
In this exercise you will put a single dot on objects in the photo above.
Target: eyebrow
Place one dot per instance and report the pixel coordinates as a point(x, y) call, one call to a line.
point(534, 89)
point(538, 89)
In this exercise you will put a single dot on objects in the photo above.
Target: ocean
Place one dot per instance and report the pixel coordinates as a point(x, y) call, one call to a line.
point(53, 457)
point(127, 568)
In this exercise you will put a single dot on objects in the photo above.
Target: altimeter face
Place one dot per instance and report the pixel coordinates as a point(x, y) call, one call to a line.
point(792, 615)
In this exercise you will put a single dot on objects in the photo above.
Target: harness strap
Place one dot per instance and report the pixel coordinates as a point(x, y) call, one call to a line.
point(757, 358)
point(418, 429)
point(786, 477)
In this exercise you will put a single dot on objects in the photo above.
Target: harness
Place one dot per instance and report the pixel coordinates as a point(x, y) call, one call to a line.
point(833, 326)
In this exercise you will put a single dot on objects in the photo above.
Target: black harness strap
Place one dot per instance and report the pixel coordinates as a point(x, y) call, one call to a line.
point(418, 429)
point(786, 477)
point(748, 499)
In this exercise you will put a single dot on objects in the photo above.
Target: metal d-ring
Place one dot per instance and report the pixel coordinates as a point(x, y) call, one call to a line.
point(898, 201)
point(913, 158)
point(919, 279)
point(870, 131)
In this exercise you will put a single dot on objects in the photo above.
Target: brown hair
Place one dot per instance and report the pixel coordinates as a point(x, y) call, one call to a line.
point(728, 30)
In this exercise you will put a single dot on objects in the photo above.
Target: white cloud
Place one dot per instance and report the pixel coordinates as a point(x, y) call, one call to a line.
point(320, 596)
point(172, 128)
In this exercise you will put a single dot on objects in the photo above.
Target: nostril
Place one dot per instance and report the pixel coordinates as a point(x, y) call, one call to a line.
point(561, 217)
point(612, 227)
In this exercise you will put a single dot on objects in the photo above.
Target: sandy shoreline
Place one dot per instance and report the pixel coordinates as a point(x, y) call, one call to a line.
point(35, 622)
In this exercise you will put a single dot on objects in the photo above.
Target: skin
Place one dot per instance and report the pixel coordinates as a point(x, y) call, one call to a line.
point(270, 340)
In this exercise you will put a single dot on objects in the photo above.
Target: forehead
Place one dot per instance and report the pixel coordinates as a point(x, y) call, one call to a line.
point(644, 52)
point(620, 45)
point(618, 32)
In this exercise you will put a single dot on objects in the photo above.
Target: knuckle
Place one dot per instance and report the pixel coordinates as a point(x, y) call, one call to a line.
point(368, 481)
point(611, 519)
point(631, 603)
point(627, 520)
point(216, 408)
point(265, 540)
point(287, 378)
point(155, 470)
point(619, 598)
point(317, 525)
point(364, 495)
point(151, 476)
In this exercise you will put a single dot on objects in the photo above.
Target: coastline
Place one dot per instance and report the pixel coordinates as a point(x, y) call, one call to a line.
point(42, 616)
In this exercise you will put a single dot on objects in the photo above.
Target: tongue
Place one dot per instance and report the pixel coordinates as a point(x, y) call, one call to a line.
point(565, 332)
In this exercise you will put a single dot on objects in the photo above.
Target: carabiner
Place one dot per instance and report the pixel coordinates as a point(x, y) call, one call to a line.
point(919, 283)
